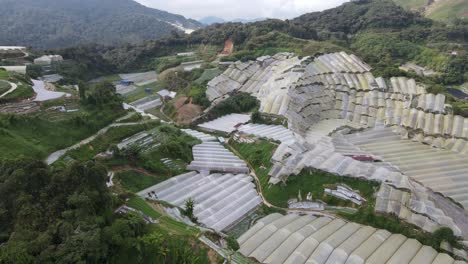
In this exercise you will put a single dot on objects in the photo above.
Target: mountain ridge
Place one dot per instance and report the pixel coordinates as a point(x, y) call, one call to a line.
point(209, 20)
point(58, 24)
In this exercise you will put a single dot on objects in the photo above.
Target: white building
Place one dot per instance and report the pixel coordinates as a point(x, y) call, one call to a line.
point(192, 65)
point(48, 59)
point(6, 48)
point(167, 94)
point(186, 54)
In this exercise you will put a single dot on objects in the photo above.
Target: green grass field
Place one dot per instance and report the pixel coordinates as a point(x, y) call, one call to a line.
point(23, 91)
point(135, 181)
point(208, 75)
point(113, 136)
point(165, 223)
point(138, 203)
point(4, 86)
point(36, 136)
point(448, 9)
point(140, 92)
point(411, 4)
point(259, 155)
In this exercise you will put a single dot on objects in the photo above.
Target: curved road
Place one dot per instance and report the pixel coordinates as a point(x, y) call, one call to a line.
point(13, 87)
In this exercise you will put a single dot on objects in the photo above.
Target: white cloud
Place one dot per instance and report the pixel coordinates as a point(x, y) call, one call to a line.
point(241, 8)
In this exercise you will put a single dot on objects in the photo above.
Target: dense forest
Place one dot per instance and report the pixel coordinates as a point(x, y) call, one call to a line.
point(382, 33)
point(66, 215)
point(58, 24)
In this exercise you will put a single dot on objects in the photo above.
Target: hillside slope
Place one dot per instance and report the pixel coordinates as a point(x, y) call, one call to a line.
point(442, 10)
point(58, 24)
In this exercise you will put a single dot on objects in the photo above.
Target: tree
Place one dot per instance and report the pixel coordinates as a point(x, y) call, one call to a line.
point(102, 94)
point(189, 209)
point(82, 89)
point(34, 71)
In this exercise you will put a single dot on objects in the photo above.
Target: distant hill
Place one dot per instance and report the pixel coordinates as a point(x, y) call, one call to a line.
point(442, 10)
point(213, 20)
point(65, 23)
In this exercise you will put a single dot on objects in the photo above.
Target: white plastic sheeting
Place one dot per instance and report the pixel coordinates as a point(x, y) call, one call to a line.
point(226, 124)
point(413, 208)
point(200, 135)
point(221, 200)
point(212, 156)
point(305, 239)
point(268, 78)
point(147, 102)
point(441, 170)
point(278, 133)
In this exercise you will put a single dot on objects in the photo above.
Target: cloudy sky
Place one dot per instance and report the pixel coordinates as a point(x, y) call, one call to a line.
point(241, 8)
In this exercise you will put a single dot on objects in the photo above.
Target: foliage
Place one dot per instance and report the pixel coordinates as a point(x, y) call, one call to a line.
point(262, 118)
point(37, 135)
point(51, 215)
point(356, 16)
point(66, 23)
point(208, 75)
point(170, 143)
point(238, 103)
point(24, 91)
point(140, 204)
point(198, 94)
point(180, 81)
point(34, 71)
point(4, 87)
point(159, 249)
point(259, 155)
point(102, 94)
point(135, 181)
point(103, 142)
point(392, 223)
point(232, 243)
point(189, 209)
point(84, 63)
point(65, 216)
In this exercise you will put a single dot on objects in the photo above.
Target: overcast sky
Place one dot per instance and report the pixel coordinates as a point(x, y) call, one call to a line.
point(241, 8)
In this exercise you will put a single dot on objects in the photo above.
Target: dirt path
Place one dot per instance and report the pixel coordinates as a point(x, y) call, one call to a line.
point(14, 86)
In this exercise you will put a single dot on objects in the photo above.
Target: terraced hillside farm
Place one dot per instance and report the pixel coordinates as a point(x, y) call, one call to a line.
point(344, 120)
point(308, 239)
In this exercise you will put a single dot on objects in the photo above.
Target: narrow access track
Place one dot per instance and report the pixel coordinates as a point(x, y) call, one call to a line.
point(58, 154)
point(14, 86)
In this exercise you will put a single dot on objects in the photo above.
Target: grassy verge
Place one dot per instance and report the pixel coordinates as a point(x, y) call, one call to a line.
point(208, 75)
point(259, 155)
point(165, 222)
point(113, 136)
point(367, 216)
point(4, 87)
point(140, 92)
point(135, 181)
point(23, 91)
point(138, 203)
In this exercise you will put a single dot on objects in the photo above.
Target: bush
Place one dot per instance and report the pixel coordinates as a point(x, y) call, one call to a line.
point(232, 243)
point(239, 103)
